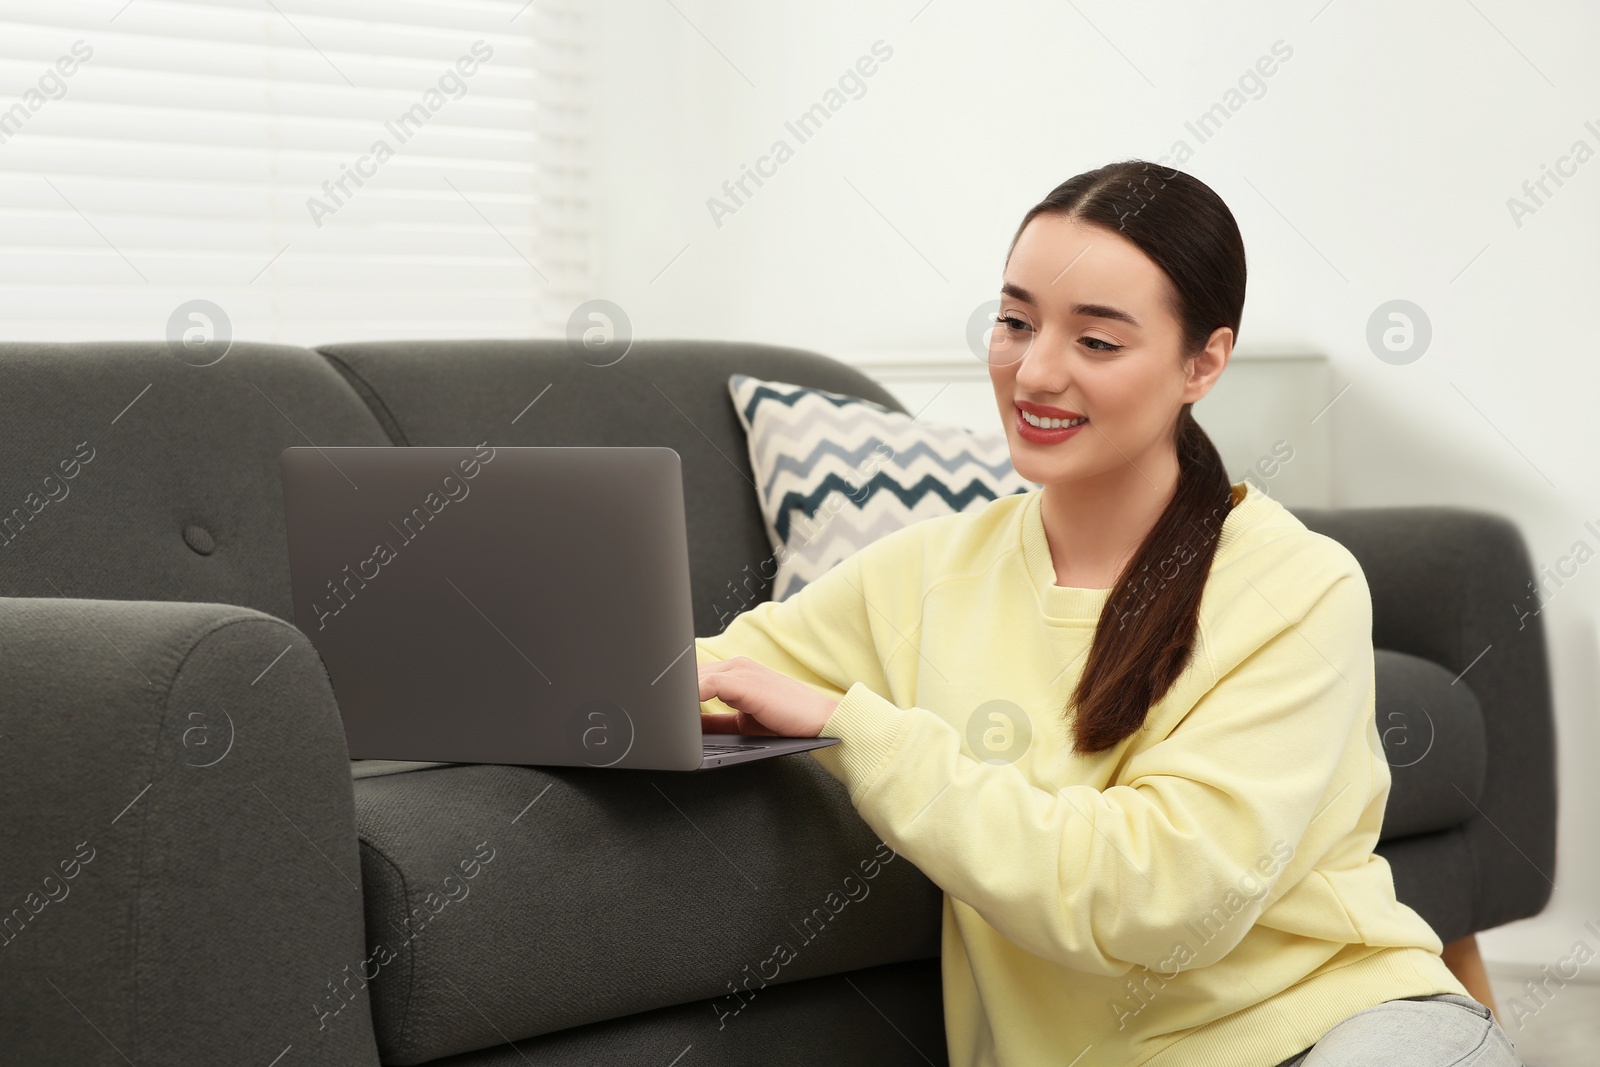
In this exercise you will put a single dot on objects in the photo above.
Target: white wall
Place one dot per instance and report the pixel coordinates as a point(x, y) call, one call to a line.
point(1377, 164)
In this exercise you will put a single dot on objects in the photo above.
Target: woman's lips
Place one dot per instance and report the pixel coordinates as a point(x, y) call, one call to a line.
point(1039, 436)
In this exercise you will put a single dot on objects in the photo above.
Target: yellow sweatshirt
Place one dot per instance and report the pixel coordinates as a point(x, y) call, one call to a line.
point(1204, 893)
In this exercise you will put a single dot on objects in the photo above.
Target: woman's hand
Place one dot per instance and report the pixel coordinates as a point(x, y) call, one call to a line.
point(764, 701)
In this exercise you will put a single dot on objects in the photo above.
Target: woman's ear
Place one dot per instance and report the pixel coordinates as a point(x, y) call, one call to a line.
point(1207, 365)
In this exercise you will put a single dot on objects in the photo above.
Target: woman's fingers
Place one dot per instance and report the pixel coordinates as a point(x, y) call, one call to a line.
point(718, 682)
point(749, 724)
point(714, 686)
point(717, 722)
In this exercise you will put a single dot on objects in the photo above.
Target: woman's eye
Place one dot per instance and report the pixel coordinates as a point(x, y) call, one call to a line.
point(1011, 322)
point(1109, 347)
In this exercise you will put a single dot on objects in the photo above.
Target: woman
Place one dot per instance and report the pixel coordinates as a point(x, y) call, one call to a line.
point(1124, 721)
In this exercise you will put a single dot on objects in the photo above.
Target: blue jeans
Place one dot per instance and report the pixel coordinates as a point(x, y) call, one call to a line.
point(1442, 1030)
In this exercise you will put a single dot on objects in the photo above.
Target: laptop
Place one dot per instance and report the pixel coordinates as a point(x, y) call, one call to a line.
point(523, 605)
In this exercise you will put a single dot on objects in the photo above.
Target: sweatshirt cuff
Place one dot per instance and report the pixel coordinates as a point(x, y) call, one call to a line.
point(870, 730)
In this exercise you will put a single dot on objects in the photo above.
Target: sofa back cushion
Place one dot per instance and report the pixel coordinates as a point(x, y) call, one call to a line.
point(671, 393)
point(132, 475)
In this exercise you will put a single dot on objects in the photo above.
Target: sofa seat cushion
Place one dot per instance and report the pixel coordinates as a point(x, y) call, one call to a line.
point(504, 902)
point(1432, 733)
point(1430, 871)
point(890, 1016)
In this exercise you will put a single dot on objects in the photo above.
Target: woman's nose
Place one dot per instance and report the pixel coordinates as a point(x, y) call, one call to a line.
point(1041, 370)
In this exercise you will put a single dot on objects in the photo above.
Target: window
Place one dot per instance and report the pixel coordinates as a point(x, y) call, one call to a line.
point(321, 170)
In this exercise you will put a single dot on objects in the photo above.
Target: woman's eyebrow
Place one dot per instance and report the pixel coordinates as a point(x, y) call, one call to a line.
point(1015, 290)
point(1093, 311)
point(1104, 311)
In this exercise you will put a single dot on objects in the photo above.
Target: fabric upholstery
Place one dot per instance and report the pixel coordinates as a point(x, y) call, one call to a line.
point(1434, 874)
point(614, 892)
point(1432, 735)
point(885, 1016)
point(173, 446)
point(195, 753)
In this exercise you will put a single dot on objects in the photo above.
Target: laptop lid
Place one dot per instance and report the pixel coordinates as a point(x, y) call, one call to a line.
point(499, 604)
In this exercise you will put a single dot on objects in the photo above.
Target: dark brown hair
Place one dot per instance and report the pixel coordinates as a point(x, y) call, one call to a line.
point(1146, 631)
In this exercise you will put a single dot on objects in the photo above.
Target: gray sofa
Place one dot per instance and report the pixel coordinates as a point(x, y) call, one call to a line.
point(196, 873)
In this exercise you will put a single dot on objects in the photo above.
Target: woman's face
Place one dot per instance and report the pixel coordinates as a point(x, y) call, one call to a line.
point(1085, 327)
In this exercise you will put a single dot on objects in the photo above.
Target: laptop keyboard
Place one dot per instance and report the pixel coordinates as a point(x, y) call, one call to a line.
point(709, 747)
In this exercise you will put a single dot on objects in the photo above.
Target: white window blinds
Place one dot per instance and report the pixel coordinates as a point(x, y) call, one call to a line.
point(320, 170)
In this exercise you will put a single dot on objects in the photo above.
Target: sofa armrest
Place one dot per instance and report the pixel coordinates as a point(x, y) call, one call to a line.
point(181, 880)
point(1452, 585)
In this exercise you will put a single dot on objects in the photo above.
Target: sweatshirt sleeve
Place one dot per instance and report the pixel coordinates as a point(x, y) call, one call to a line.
point(1100, 880)
point(820, 635)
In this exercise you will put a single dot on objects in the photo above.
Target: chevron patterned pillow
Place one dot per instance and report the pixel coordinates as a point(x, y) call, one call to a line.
point(835, 473)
